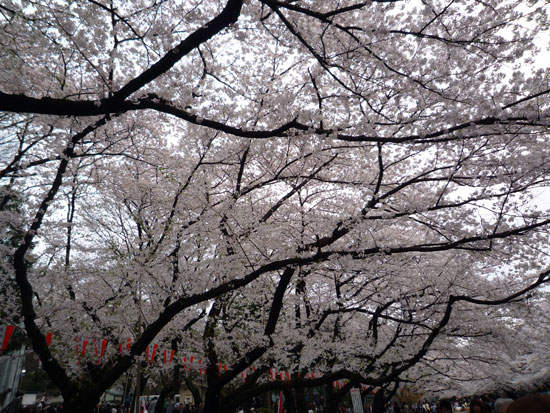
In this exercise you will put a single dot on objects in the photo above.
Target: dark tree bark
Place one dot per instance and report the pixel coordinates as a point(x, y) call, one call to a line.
point(300, 399)
point(378, 402)
point(334, 398)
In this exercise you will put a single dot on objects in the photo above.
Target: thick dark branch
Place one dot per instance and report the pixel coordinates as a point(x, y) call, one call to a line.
point(185, 302)
point(444, 246)
point(51, 106)
point(543, 278)
point(271, 324)
point(228, 16)
point(242, 165)
point(21, 103)
point(60, 107)
point(525, 99)
point(277, 303)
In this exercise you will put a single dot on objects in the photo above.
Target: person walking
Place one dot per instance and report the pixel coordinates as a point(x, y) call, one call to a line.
point(152, 405)
point(170, 404)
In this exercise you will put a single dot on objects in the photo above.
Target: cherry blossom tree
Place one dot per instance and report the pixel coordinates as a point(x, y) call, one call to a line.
point(500, 354)
point(367, 175)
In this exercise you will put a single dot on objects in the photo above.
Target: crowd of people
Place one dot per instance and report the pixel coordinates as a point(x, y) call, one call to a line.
point(170, 406)
point(530, 403)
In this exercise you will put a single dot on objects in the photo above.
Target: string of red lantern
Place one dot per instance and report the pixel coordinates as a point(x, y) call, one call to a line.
point(100, 345)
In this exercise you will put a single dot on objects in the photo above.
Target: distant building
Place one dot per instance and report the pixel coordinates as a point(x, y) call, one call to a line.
point(11, 365)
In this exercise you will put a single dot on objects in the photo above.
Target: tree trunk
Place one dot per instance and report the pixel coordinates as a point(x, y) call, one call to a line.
point(378, 402)
point(170, 387)
point(165, 391)
point(290, 402)
point(195, 391)
point(300, 398)
point(331, 402)
point(211, 401)
point(82, 403)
